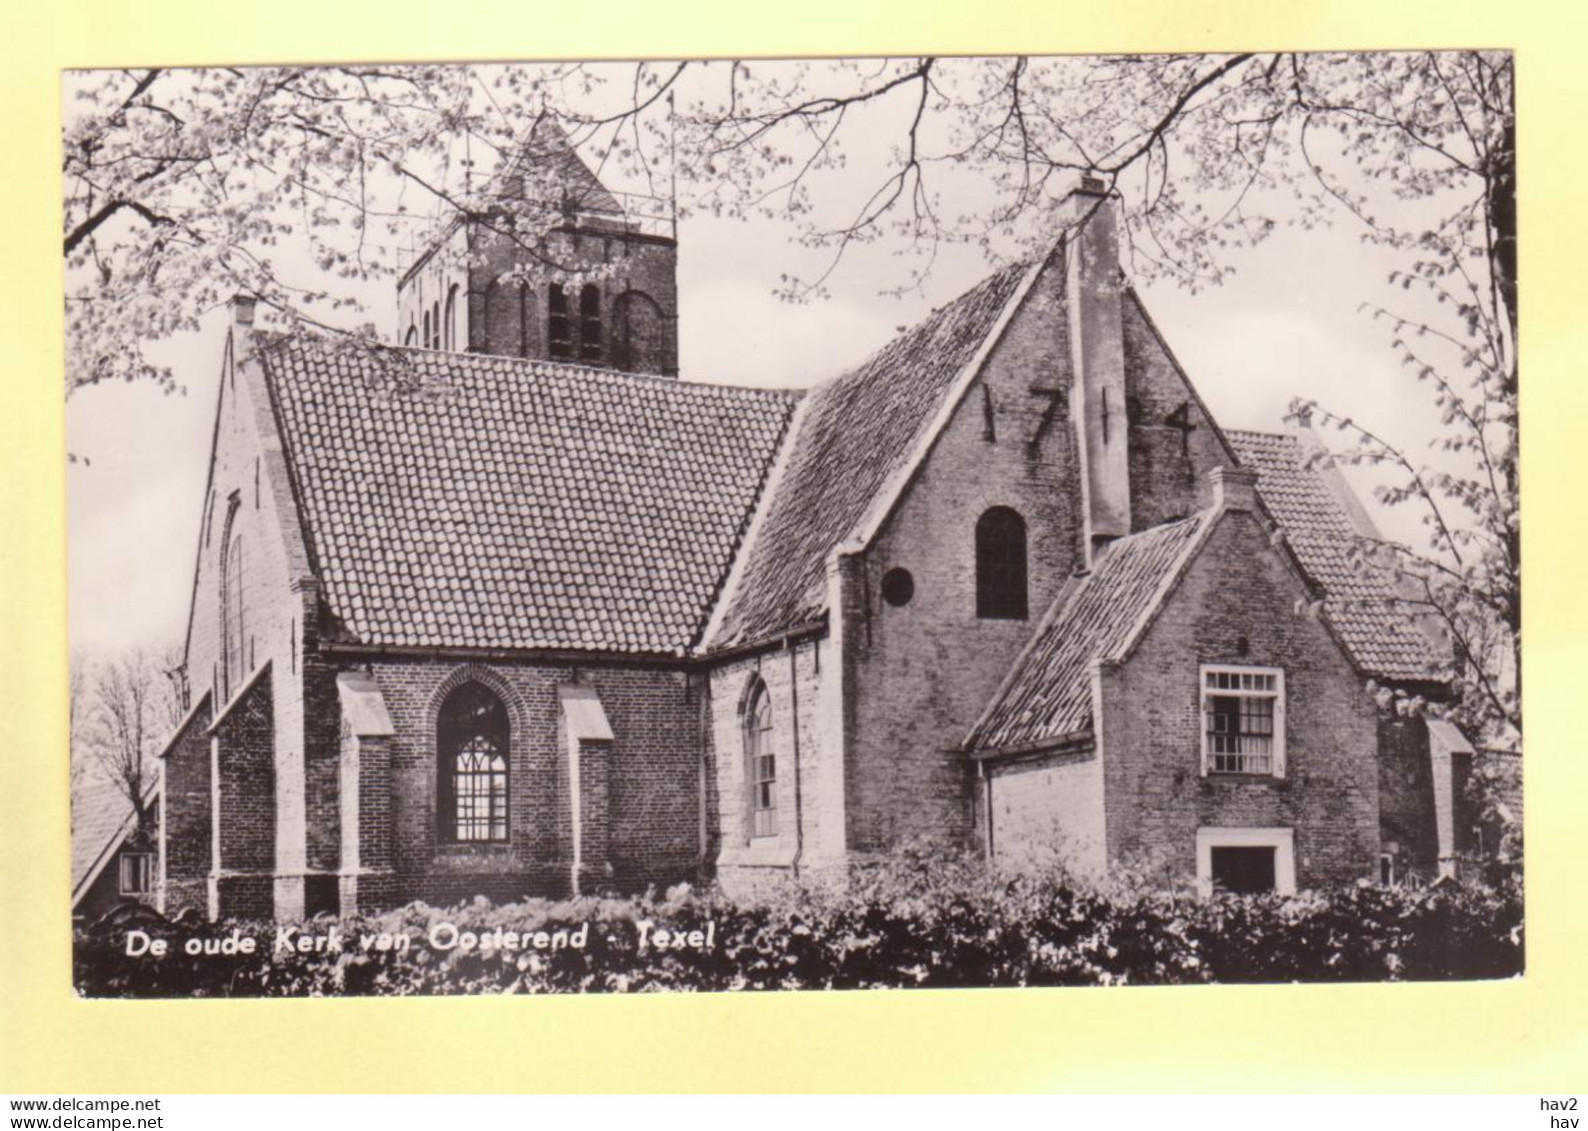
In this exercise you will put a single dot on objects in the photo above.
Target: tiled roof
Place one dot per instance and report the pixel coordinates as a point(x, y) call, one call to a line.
point(553, 171)
point(463, 500)
point(1361, 600)
point(855, 433)
point(1048, 693)
point(101, 817)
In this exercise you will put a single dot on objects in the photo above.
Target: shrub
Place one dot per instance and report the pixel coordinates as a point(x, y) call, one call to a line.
point(911, 923)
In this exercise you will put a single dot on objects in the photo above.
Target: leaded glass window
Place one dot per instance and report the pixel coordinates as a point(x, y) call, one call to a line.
point(480, 787)
point(236, 656)
point(761, 764)
point(473, 750)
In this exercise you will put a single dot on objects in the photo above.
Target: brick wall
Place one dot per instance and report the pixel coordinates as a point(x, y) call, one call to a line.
point(250, 494)
point(810, 826)
point(653, 780)
point(426, 291)
point(1406, 797)
point(635, 273)
point(245, 794)
point(1047, 811)
point(185, 804)
point(1173, 445)
point(322, 741)
point(1239, 590)
point(925, 671)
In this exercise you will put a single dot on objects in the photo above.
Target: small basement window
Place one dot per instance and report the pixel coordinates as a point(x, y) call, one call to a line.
point(1244, 871)
point(1243, 721)
point(1246, 861)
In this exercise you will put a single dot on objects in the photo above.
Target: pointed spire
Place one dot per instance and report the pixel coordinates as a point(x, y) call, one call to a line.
point(548, 169)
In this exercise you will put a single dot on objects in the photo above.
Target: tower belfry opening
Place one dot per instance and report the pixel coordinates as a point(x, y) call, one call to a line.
point(552, 265)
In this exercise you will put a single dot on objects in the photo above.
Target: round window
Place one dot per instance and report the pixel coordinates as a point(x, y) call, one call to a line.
point(898, 587)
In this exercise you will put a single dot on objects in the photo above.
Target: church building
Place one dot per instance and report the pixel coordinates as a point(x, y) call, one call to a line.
point(510, 609)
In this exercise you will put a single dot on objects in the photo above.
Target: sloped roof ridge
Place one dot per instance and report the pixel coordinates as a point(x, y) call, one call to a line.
point(930, 322)
point(275, 341)
point(1046, 693)
point(860, 431)
point(1365, 608)
point(601, 509)
point(101, 815)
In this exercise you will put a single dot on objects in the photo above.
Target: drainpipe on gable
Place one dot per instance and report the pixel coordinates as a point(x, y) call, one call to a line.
point(706, 768)
point(987, 809)
point(794, 716)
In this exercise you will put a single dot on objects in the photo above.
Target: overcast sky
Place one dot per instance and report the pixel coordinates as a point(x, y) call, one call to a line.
point(1287, 324)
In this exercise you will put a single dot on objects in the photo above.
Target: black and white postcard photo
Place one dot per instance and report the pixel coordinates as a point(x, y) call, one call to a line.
point(707, 525)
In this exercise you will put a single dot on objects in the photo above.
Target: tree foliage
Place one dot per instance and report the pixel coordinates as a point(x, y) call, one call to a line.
point(923, 924)
point(122, 710)
point(305, 185)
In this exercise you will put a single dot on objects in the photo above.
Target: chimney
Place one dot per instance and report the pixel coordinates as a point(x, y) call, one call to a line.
point(1234, 488)
point(1093, 289)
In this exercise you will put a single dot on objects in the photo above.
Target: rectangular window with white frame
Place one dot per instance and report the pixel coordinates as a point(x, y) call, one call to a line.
point(1243, 720)
point(137, 873)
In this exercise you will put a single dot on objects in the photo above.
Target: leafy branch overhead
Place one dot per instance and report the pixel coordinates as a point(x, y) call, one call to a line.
point(183, 185)
point(309, 186)
point(123, 709)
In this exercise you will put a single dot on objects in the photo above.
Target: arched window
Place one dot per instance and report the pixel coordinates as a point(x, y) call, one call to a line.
point(435, 326)
point(424, 338)
point(590, 324)
point(638, 343)
point(503, 329)
point(412, 336)
point(526, 321)
point(451, 318)
point(1001, 565)
point(559, 330)
point(472, 767)
point(232, 628)
point(760, 764)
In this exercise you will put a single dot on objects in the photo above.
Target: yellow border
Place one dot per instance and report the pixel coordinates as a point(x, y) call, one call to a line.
point(1527, 1036)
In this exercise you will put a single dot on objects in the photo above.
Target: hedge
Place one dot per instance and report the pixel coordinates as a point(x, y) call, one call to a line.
point(906, 926)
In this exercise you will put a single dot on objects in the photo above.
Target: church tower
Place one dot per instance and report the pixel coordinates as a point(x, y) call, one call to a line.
point(551, 265)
